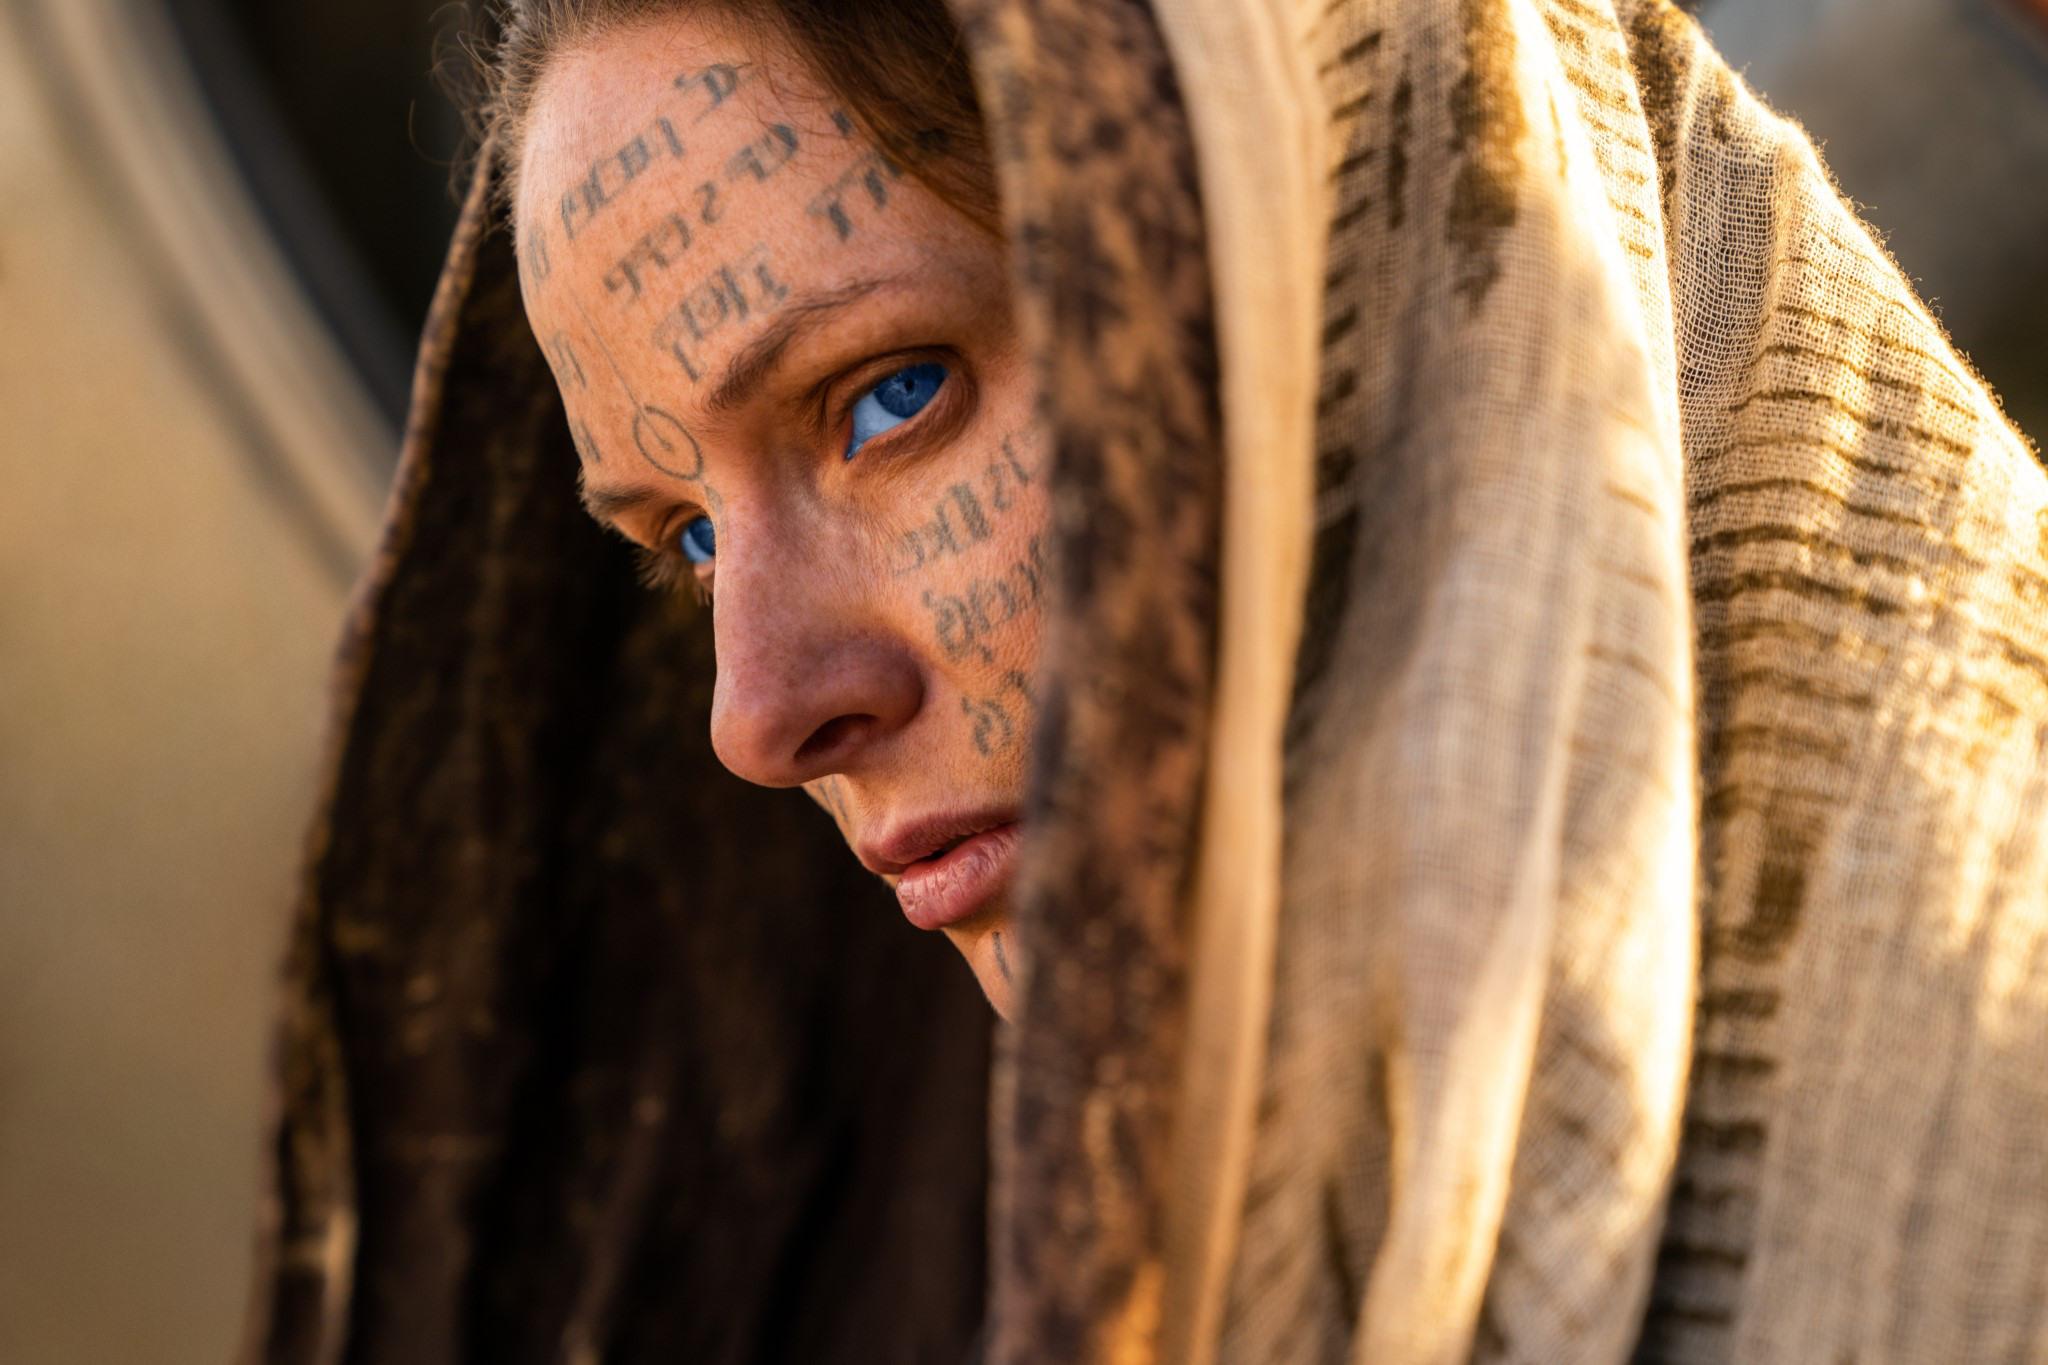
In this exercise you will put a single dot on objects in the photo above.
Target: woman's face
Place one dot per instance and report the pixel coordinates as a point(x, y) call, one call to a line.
point(794, 382)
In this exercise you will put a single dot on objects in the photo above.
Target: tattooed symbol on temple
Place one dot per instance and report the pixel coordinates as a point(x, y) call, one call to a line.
point(535, 265)
point(667, 445)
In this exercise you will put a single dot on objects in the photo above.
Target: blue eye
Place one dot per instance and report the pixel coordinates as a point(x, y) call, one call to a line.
point(893, 402)
point(699, 541)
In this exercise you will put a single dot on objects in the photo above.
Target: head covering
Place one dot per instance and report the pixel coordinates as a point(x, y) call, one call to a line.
point(1537, 844)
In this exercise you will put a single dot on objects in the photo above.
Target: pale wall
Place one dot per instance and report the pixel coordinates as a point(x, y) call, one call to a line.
point(164, 636)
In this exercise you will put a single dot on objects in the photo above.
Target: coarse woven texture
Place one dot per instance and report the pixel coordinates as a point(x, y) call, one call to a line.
point(1661, 965)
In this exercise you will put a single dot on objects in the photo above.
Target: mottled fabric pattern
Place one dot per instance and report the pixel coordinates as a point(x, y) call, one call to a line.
point(1102, 206)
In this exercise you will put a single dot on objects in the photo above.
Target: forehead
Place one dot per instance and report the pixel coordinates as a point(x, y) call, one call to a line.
point(685, 128)
point(627, 103)
point(683, 183)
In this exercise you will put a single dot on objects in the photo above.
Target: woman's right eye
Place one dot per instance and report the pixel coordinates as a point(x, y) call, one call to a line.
point(698, 541)
point(889, 404)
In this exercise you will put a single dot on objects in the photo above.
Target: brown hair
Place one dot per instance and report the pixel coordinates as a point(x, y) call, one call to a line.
point(900, 68)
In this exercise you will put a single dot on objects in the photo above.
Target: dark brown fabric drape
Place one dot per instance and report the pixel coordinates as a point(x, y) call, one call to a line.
point(593, 1051)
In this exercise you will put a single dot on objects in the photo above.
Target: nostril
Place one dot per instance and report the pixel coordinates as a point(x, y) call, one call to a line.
point(829, 737)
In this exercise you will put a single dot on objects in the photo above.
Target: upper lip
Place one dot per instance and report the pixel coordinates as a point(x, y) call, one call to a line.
point(911, 840)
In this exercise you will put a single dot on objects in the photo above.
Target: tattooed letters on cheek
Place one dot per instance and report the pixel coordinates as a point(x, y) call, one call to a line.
point(956, 515)
point(960, 520)
point(1002, 722)
point(1007, 475)
point(732, 293)
point(965, 623)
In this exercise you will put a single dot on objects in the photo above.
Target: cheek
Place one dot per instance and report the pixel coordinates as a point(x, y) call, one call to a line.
point(969, 576)
point(969, 563)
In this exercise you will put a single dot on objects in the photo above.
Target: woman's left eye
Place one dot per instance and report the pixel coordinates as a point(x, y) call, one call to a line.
point(894, 401)
point(699, 541)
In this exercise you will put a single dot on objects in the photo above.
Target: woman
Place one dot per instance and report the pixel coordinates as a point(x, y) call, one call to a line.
point(796, 385)
point(1513, 799)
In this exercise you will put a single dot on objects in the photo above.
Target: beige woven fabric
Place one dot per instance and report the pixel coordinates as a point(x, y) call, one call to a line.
point(1659, 962)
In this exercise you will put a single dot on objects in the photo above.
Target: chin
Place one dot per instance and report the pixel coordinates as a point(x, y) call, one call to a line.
point(990, 949)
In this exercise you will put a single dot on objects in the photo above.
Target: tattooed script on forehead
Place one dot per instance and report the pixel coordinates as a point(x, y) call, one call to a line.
point(862, 189)
point(695, 297)
point(612, 174)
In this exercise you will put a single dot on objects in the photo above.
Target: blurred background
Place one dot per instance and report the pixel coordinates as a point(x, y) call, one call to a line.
point(220, 225)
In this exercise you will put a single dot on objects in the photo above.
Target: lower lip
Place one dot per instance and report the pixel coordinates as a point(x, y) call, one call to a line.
point(956, 887)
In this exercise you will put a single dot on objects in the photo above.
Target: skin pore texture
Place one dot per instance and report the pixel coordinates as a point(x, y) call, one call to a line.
point(794, 382)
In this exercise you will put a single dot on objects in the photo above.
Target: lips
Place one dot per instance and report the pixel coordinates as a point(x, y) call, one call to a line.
point(948, 868)
point(958, 884)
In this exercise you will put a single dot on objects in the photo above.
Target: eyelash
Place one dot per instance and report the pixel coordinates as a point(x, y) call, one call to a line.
point(666, 570)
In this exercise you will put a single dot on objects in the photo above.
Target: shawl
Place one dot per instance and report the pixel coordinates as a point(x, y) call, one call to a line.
point(1537, 844)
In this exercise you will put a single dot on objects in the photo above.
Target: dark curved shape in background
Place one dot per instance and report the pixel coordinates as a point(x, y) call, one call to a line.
point(340, 118)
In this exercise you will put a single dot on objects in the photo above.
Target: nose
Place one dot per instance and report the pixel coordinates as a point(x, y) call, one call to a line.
point(807, 683)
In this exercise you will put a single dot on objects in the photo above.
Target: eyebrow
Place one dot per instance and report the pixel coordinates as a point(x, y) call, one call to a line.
point(607, 504)
point(751, 366)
